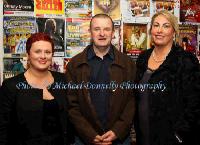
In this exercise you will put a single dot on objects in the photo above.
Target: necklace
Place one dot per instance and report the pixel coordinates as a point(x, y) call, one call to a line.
point(155, 58)
point(37, 81)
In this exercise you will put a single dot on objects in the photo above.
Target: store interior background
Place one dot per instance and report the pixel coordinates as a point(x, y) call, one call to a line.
point(131, 19)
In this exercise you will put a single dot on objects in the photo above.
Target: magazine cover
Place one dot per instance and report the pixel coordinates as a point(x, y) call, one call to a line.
point(77, 36)
point(78, 8)
point(110, 7)
point(116, 41)
point(188, 38)
point(14, 66)
point(55, 28)
point(18, 7)
point(135, 11)
point(0, 76)
point(49, 8)
point(164, 5)
point(134, 39)
point(190, 11)
point(57, 64)
point(66, 61)
point(198, 40)
point(16, 32)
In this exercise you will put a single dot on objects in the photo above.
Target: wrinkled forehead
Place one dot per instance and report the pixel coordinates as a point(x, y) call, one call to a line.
point(163, 17)
point(97, 20)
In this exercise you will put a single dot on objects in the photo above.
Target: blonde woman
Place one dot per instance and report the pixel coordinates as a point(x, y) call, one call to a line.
point(168, 108)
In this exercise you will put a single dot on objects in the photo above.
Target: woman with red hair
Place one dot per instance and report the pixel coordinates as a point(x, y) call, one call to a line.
point(33, 107)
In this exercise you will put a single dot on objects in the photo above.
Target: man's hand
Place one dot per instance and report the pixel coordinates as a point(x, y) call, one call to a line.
point(109, 136)
point(98, 140)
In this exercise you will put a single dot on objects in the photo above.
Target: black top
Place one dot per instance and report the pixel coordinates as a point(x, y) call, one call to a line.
point(175, 109)
point(23, 113)
point(51, 119)
point(100, 75)
point(51, 122)
point(143, 113)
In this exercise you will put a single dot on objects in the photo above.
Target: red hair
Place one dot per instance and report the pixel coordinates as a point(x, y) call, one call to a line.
point(38, 37)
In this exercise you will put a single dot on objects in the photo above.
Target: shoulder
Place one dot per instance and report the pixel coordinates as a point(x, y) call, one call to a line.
point(77, 57)
point(143, 57)
point(58, 75)
point(123, 58)
point(122, 55)
point(14, 80)
point(81, 57)
point(10, 84)
point(144, 54)
point(189, 58)
point(77, 61)
point(186, 59)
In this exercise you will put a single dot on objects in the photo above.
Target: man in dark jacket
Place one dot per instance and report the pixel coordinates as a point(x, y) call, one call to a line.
point(101, 102)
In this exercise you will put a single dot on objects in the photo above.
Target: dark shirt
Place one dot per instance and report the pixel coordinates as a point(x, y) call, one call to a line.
point(51, 122)
point(143, 109)
point(100, 75)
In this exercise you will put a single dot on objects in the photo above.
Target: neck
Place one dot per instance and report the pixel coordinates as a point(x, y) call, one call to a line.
point(163, 50)
point(100, 51)
point(38, 74)
point(39, 79)
point(160, 53)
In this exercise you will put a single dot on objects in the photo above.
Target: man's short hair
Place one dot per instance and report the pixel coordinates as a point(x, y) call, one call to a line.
point(102, 16)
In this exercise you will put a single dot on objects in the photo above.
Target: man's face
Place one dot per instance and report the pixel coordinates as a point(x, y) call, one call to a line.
point(101, 32)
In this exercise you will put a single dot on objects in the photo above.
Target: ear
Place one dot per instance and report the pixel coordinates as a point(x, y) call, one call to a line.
point(113, 34)
point(89, 30)
point(27, 56)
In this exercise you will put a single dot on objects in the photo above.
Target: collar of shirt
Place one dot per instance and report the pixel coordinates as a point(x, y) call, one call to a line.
point(91, 54)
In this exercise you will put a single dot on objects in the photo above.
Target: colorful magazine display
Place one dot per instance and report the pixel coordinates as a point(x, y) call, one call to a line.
point(78, 36)
point(134, 39)
point(16, 32)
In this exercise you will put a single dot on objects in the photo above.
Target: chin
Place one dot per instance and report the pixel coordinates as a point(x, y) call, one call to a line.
point(43, 69)
point(102, 46)
point(159, 43)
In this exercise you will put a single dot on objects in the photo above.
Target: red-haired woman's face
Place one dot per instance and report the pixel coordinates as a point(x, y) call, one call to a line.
point(40, 56)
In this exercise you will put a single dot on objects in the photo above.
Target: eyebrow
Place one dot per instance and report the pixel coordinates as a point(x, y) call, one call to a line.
point(163, 24)
point(103, 28)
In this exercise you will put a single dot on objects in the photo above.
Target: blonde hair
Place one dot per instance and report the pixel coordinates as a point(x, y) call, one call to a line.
point(170, 17)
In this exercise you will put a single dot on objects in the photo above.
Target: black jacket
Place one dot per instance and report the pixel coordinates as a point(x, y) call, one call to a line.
point(176, 110)
point(21, 111)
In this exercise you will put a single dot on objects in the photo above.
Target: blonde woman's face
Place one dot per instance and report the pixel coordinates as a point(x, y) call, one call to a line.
point(162, 31)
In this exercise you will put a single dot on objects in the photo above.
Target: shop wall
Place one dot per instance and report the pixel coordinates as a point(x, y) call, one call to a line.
point(67, 21)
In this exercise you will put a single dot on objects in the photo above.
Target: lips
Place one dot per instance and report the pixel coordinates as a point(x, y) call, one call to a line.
point(102, 39)
point(42, 62)
point(159, 36)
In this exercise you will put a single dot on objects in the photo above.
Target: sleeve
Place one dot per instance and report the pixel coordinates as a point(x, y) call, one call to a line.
point(82, 126)
point(6, 105)
point(123, 125)
point(189, 92)
point(133, 135)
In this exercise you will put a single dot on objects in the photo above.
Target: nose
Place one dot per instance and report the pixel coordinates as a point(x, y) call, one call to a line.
point(43, 55)
point(160, 29)
point(101, 33)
